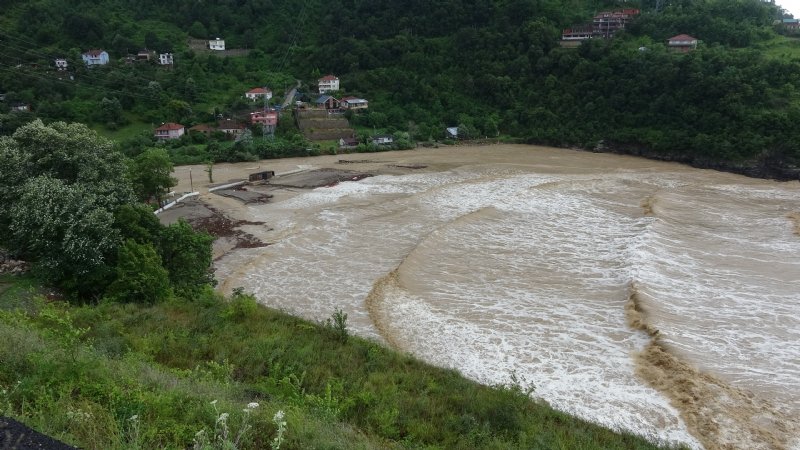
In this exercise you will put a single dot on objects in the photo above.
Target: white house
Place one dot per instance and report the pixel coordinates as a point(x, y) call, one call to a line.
point(452, 132)
point(165, 59)
point(383, 139)
point(258, 94)
point(216, 44)
point(61, 64)
point(354, 103)
point(328, 83)
point(169, 131)
point(95, 58)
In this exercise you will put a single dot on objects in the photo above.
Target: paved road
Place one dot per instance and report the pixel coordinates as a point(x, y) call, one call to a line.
point(287, 99)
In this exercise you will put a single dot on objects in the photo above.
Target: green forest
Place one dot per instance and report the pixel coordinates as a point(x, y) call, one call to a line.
point(492, 68)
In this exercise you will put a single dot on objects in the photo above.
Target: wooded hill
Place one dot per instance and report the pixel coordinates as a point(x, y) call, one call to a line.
point(490, 67)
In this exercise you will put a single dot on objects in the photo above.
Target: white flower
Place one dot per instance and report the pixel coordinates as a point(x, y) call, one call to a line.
point(278, 416)
point(213, 402)
point(199, 434)
point(252, 405)
point(222, 418)
point(134, 417)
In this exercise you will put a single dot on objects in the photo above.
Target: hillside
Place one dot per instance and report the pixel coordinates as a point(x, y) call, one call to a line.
point(491, 68)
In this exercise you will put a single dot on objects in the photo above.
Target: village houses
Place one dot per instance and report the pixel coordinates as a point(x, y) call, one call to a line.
point(383, 139)
point(216, 44)
point(327, 102)
point(231, 127)
point(258, 93)
point(682, 43)
point(169, 131)
point(327, 84)
point(354, 103)
point(604, 25)
point(95, 58)
point(165, 59)
point(267, 118)
point(61, 64)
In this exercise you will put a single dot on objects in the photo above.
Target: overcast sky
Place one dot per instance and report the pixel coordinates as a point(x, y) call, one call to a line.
point(793, 6)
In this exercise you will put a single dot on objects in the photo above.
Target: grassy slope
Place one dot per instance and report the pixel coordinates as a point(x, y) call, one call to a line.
point(80, 374)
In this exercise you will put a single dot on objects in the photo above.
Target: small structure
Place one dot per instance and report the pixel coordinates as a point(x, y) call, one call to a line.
point(258, 94)
point(267, 118)
point(202, 128)
point(577, 33)
point(682, 43)
point(20, 107)
point(348, 143)
point(216, 44)
point(261, 176)
point(169, 130)
point(61, 64)
point(231, 128)
point(604, 25)
point(166, 59)
point(791, 24)
point(145, 55)
point(383, 139)
point(328, 83)
point(451, 132)
point(3, 97)
point(95, 58)
point(354, 103)
point(327, 102)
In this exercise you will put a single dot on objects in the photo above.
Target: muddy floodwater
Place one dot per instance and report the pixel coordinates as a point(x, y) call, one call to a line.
point(640, 295)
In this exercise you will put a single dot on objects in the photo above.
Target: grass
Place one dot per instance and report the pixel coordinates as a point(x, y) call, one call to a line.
point(781, 47)
point(123, 133)
point(80, 373)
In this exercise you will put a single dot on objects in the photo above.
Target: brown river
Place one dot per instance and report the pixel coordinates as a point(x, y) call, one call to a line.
point(640, 295)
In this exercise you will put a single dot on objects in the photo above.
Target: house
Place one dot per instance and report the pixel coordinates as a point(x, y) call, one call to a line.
point(20, 107)
point(327, 102)
point(202, 128)
point(348, 143)
point(169, 131)
point(3, 97)
point(682, 43)
point(606, 23)
point(165, 59)
point(231, 127)
point(145, 55)
point(267, 118)
point(383, 139)
point(577, 33)
point(61, 64)
point(95, 58)
point(258, 93)
point(328, 83)
point(451, 132)
point(354, 103)
point(791, 24)
point(216, 44)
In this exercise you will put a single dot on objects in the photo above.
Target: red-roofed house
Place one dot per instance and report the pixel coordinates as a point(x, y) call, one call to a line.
point(258, 93)
point(95, 58)
point(169, 131)
point(328, 83)
point(682, 43)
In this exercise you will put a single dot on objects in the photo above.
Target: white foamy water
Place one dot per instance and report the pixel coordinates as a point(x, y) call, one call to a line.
point(497, 270)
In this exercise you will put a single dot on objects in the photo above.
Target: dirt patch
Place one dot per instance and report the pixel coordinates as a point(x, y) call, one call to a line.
point(245, 195)
point(318, 178)
point(219, 226)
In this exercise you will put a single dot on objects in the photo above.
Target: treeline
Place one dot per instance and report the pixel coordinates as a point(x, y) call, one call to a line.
point(492, 68)
point(70, 204)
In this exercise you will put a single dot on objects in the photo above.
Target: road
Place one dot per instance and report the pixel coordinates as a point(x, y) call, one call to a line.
point(287, 99)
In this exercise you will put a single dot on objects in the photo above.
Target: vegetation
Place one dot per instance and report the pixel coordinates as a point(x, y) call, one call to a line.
point(133, 375)
point(490, 68)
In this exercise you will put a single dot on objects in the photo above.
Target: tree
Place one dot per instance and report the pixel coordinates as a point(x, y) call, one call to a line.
point(187, 256)
point(150, 174)
point(140, 276)
point(111, 112)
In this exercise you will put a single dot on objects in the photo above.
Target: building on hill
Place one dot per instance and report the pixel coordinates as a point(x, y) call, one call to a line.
point(166, 59)
point(328, 83)
point(231, 128)
point(348, 143)
point(169, 131)
point(20, 107)
point(267, 118)
point(577, 33)
point(95, 58)
point(145, 55)
point(354, 103)
point(204, 129)
point(61, 64)
point(383, 139)
point(216, 44)
point(327, 102)
point(791, 24)
point(682, 43)
point(258, 94)
point(604, 25)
